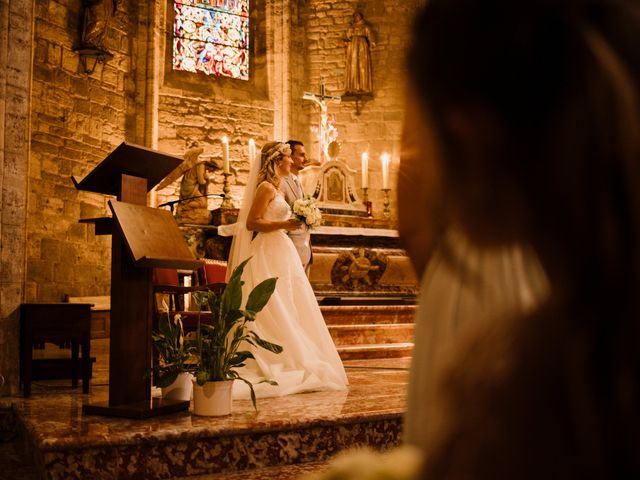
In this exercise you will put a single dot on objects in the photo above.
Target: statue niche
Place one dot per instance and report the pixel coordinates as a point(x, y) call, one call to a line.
point(97, 17)
point(359, 40)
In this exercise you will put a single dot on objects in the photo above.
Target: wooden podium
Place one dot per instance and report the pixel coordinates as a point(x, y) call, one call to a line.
point(142, 238)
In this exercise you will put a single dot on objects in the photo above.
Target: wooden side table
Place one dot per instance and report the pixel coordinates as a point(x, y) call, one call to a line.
point(58, 323)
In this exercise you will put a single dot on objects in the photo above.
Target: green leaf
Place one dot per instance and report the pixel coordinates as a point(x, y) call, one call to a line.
point(213, 301)
point(165, 326)
point(253, 393)
point(240, 357)
point(237, 273)
point(232, 296)
point(201, 299)
point(261, 294)
point(167, 379)
point(202, 377)
point(232, 317)
point(272, 347)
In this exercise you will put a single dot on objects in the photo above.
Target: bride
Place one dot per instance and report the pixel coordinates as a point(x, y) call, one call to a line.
point(291, 318)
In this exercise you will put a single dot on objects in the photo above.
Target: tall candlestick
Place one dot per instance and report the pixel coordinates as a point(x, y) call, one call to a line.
point(252, 151)
point(225, 154)
point(385, 158)
point(365, 170)
point(386, 213)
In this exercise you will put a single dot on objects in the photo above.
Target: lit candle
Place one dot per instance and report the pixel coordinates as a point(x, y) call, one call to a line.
point(225, 154)
point(385, 158)
point(365, 170)
point(252, 151)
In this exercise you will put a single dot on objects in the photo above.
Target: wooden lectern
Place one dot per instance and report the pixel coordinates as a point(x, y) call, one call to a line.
point(142, 238)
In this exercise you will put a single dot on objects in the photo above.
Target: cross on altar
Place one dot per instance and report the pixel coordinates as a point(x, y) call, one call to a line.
point(322, 100)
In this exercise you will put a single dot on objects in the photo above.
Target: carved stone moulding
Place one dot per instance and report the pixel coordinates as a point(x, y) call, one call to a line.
point(362, 271)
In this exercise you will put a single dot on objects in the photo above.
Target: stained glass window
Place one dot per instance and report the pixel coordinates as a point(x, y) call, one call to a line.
point(212, 37)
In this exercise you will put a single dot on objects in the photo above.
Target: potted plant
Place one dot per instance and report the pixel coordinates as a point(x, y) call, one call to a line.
point(217, 348)
point(173, 376)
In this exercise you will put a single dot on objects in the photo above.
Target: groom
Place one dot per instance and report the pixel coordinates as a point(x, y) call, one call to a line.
point(292, 189)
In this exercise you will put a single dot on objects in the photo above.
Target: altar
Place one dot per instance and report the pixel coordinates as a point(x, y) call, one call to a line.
point(356, 257)
point(361, 263)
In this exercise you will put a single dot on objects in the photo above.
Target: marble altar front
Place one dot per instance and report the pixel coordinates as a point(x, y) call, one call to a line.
point(361, 262)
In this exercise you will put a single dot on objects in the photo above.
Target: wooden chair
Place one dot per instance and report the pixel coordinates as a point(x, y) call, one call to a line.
point(212, 271)
point(166, 282)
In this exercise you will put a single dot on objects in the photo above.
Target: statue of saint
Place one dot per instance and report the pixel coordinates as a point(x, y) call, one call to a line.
point(193, 207)
point(359, 45)
point(97, 17)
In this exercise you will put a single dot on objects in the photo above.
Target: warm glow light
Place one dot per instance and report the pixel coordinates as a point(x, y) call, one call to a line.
point(385, 159)
point(365, 169)
point(252, 151)
point(225, 154)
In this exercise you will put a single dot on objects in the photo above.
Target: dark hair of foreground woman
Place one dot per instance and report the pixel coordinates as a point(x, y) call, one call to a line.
point(537, 107)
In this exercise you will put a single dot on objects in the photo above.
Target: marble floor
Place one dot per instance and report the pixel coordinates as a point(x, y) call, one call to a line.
point(284, 438)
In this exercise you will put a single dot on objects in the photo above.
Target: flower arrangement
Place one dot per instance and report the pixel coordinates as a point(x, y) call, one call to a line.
point(306, 210)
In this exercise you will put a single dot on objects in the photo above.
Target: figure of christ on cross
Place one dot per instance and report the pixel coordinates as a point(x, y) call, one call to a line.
point(322, 101)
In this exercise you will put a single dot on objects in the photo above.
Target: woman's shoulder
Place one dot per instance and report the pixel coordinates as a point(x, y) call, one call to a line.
point(266, 187)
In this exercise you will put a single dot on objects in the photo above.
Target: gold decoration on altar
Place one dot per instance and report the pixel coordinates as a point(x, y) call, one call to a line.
point(332, 185)
point(357, 268)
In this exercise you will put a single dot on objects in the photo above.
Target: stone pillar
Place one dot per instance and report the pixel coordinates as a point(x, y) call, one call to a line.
point(16, 38)
point(147, 55)
point(278, 33)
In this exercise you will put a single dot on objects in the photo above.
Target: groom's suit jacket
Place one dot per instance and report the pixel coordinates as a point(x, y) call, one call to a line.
point(301, 238)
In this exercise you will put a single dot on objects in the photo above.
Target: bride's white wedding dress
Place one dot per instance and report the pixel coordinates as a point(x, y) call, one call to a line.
point(292, 319)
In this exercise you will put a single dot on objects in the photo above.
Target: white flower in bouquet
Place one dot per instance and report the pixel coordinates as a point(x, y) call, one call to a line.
point(306, 210)
point(402, 463)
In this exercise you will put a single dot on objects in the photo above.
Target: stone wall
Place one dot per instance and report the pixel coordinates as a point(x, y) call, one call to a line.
point(202, 109)
point(76, 119)
point(15, 71)
point(377, 128)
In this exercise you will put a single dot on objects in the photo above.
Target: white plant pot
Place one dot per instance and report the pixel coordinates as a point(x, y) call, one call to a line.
point(213, 399)
point(180, 389)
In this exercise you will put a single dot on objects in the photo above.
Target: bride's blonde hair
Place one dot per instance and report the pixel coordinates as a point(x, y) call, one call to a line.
point(270, 155)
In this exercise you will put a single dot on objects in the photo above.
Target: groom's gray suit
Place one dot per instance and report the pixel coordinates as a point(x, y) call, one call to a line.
point(301, 238)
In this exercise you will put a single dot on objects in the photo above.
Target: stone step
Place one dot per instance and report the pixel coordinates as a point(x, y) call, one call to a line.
point(287, 472)
point(287, 437)
point(206, 448)
point(366, 334)
point(388, 350)
point(367, 314)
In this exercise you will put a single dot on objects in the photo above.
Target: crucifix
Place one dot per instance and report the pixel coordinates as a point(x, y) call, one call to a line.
point(322, 100)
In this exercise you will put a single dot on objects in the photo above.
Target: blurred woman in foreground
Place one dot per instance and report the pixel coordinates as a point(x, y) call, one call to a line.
point(535, 109)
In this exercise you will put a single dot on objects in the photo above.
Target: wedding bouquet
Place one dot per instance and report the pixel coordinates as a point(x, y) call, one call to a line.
point(306, 210)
